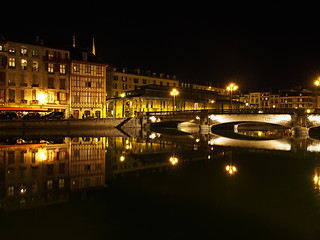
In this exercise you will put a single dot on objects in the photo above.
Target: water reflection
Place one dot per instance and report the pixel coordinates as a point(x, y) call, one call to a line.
point(35, 172)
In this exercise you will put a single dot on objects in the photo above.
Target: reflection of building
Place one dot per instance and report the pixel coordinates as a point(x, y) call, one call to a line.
point(32, 175)
point(87, 163)
point(33, 77)
point(88, 85)
point(37, 174)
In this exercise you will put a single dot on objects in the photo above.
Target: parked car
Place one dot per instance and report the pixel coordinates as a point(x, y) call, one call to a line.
point(32, 115)
point(54, 115)
point(9, 115)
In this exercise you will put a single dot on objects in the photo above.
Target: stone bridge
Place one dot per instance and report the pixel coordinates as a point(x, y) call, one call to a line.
point(299, 121)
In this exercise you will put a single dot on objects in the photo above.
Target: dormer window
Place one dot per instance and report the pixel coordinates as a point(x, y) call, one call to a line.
point(84, 56)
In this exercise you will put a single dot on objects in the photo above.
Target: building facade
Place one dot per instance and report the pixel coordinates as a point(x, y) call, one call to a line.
point(88, 85)
point(34, 77)
point(121, 80)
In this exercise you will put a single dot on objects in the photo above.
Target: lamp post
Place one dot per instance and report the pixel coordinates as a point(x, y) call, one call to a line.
point(317, 83)
point(230, 88)
point(123, 95)
point(174, 93)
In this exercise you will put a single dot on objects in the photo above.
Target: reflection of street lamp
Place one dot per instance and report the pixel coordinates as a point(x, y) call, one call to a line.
point(173, 160)
point(231, 169)
point(231, 87)
point(174, 93)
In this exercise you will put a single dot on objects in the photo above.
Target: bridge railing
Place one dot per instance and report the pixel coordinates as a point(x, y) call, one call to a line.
point(222, 111)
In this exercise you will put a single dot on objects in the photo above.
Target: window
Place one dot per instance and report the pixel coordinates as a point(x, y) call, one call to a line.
point(23, 51)
point(12, 62)
point(12, 50)
point(84, 56)
point(12, 95)
point(114, 86)
point(144, 81)
point(136, 80)
point(62, 69)
point(50, 67)
point(124, 79)
point(99, 70)
point(62, 83)
point(61, 183)
point(35, 53)
point(51, 83)
point(49, 184)
point(35, 65)
point(88, 69)
point(76, 67)
point(115, 78)
point(24, 64)
point(50, 55)
point(35, 81)
point(125, 86)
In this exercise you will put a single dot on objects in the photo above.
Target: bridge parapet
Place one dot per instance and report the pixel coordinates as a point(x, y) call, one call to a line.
point(279, 119)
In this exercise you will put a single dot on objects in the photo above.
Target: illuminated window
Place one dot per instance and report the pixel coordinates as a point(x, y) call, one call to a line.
point(12, 63)
point(24, 64)
point(23, 51)
point(10, 190)
point(50, 67)
point(62, 69)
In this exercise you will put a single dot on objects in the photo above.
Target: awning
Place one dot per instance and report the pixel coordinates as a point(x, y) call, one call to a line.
point(23, 109)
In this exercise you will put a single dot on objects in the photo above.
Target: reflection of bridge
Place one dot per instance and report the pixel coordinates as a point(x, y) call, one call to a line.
point(298, 120)
point(283, 144)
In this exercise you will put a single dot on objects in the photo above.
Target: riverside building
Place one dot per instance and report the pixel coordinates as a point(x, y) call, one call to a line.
point(88, 84)
point(33, 77)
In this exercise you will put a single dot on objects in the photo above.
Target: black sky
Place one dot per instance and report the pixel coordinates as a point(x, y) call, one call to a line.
point(259, 49)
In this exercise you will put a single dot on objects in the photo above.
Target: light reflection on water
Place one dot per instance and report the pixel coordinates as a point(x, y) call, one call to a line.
point(265, 180)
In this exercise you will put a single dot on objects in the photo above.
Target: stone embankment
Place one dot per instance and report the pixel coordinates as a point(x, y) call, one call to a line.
point(99, 123)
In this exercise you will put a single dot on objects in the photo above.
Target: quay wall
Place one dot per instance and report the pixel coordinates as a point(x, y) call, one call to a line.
point(99, 123)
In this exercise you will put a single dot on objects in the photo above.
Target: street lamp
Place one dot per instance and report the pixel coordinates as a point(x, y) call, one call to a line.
point(230, 88)
point(174, 93)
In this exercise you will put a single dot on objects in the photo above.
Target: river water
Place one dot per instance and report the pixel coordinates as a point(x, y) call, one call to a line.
point(167, 185)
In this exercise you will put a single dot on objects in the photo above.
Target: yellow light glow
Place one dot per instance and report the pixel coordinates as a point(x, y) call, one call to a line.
point(232, 87)
point(174, 160)
point(42, 98)
point(42, 154)
point(317, 83)
point(174, 92)
point(122, 158)
point(122, 95)
point(308, 110)
point(259, 133)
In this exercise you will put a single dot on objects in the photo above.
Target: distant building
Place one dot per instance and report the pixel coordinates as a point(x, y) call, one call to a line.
point(33, 77)
point(121, 80)
point(153, 98)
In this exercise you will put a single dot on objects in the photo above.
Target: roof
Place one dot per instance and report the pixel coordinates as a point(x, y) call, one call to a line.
point(82, 54)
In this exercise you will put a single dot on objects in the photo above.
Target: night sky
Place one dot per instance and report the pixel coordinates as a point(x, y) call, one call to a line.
point(261, 49)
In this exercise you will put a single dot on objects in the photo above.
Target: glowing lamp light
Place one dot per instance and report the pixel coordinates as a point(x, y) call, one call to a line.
point(122, 158)
point(174, 92)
